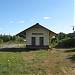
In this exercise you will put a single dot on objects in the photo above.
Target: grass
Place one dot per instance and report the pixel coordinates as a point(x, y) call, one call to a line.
point(21, 63)
point(40, 62)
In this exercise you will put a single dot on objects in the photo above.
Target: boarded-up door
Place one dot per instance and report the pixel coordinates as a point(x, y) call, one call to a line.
point(41, 41)
point(33, 41)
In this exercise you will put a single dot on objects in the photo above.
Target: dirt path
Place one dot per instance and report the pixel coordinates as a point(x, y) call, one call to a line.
point(58, 63)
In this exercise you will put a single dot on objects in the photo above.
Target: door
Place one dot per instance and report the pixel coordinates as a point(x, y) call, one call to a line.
point(33, 41)
point(41, 40)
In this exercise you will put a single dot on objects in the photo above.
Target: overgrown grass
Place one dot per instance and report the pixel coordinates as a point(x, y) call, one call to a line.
point(20, 63)
point(40, 62)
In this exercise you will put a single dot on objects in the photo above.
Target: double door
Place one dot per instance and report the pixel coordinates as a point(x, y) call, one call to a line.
point(41, 41)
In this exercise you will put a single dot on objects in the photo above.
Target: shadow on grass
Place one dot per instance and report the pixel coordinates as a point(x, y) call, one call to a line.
point(70, 50)
point(72, 56)
point(19, 49)
point(16, 50)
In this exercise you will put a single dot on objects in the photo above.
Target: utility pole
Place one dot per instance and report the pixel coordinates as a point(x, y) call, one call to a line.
point(73, 28)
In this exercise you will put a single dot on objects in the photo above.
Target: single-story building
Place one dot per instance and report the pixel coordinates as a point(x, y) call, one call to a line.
point(37, 36)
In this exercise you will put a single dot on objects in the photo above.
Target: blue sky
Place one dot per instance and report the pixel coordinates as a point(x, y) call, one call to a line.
point(17, 15)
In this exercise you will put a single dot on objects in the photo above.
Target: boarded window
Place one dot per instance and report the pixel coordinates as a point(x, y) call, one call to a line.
point(41, 41)
point(33, 41)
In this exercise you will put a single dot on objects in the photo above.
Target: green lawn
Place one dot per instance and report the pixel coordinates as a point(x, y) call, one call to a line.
point(41, 62)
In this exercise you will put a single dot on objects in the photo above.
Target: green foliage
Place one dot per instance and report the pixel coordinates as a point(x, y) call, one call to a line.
point(57, 39)
point(66, 43)
point(62, 35)
point(65, 40)
point(14, 38)
point(71, 35)
point(20, 40)
point(1, 41)
point(7, 38)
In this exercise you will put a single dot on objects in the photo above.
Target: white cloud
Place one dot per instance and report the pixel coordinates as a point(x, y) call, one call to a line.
point(21, 22)
point(11, 22)
point(17, 22)
point(46, 17)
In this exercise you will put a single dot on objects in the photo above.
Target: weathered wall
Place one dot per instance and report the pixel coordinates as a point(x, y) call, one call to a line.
point(37, 30)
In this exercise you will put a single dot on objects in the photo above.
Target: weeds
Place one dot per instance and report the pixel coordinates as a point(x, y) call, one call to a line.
point(40, 62)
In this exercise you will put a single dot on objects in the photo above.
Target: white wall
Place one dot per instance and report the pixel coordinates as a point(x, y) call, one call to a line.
point(37, 30)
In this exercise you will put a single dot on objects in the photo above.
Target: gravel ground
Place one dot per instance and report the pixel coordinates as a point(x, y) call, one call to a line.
point(12, 45)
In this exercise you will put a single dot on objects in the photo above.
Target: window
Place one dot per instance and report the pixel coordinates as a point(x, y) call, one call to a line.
point(37, 33)
point(41, 40)
point(33, 41)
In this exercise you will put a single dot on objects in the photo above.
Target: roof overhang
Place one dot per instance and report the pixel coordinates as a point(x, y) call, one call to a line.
point(23, 33)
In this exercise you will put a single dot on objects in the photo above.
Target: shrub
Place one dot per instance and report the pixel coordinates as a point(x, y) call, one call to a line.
point(1, 41)
point(66, 43)
point(19, 40)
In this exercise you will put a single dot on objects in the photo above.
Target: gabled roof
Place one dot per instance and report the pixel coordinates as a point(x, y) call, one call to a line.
point(37, 25)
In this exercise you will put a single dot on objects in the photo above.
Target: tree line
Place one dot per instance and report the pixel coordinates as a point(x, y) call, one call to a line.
point(64, 40)
point(7, 38)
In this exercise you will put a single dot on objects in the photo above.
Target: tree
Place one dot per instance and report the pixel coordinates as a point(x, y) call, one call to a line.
point(62, 35)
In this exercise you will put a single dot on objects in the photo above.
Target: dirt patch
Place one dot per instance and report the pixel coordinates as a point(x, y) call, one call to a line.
point(55, 62)
point(28, 57)
point(58, 64)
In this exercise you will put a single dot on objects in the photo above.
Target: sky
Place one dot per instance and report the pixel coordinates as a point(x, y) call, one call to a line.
point(17, 15)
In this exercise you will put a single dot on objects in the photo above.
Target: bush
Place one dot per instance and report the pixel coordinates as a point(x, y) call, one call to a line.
point(20, 40)
point(66, 43)
point(1, 41)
